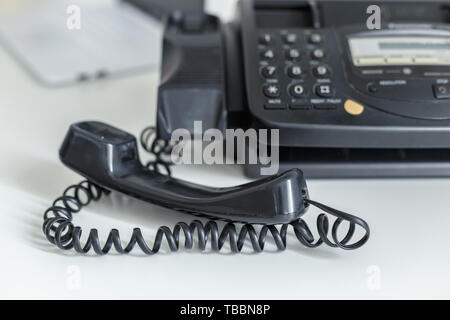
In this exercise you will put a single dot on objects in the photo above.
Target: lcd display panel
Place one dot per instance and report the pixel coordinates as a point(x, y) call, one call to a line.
point(405, 50)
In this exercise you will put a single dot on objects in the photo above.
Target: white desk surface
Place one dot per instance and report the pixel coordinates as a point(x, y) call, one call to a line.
point(406, 257)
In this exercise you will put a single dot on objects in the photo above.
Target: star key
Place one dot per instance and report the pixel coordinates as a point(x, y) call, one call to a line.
point(271, 91)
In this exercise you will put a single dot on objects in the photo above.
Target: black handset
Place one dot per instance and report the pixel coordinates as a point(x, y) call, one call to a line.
point(108, 158)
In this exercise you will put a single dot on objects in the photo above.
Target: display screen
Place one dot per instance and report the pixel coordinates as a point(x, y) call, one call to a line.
point(379, 51)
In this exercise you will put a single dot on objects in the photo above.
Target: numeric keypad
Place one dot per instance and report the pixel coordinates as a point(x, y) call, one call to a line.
point(295, 69)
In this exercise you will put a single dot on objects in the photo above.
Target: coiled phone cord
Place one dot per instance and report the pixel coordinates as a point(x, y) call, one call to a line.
point(60, 230)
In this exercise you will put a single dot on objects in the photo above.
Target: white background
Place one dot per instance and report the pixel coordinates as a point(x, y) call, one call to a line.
point(406, 257)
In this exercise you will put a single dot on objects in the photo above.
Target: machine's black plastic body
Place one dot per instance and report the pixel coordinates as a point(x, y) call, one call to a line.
point(214, 75)
point(109, 158)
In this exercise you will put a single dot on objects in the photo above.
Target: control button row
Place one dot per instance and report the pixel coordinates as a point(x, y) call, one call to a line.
point(295, 71)
point(290, 38)
point(440, 91)
point(298, 91)
point(292, 54)
point(301, 106)
point(322, 90)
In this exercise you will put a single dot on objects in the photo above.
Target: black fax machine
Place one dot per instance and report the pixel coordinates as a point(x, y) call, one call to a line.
point(349, 100)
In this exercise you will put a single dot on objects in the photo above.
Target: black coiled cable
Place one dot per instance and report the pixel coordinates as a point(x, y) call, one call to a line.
point(59, 229)
point(159, 148)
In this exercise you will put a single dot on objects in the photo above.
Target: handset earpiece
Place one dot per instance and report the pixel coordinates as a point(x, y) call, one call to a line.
point(109, 157)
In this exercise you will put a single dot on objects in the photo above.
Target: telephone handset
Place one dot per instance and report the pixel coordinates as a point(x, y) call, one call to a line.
point(108, 158)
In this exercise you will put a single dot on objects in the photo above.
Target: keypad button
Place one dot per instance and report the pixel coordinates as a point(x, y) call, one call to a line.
point(268, 54)
point(274, 106)
point(269, 71)
point(321, 71)
point(265, 38)
point(441, 91)
point(324, 90)
point(293, 54)
point(325, 106)
point(294, 71)
point(315, 38)
point(290, 38)
point(372, 87)
point(271, 91)
point(301, 106)
point(318, 54)
point(297, 90)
